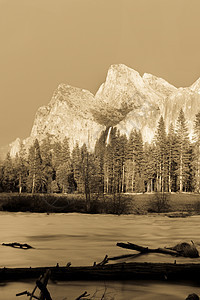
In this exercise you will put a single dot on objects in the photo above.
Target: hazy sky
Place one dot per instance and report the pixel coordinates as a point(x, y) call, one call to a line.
point(47, 42)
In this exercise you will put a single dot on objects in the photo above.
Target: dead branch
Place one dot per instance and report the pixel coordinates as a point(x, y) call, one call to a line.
point(85, 294)
point(42, 285)
point(28, 294)
point(18, 245)
point(183, 249)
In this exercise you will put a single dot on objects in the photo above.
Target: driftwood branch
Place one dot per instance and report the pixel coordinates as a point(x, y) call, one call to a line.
point(183, 249)
point(18, 245)
point(33, 292)
point(114, 258)
point(85, 294)
point(42, 285)
point(28, 294)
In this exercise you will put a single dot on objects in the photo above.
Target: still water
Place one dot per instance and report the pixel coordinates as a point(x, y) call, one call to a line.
point(83, 239)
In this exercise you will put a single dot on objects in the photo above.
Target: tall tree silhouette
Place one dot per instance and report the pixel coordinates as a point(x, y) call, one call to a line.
point(21, 167)
point(183, 144)
point(196, 162)
point(161, 147)
point(172, 151)
point(35, 168)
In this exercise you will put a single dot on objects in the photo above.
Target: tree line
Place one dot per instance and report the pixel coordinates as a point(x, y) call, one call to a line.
point(170, 163)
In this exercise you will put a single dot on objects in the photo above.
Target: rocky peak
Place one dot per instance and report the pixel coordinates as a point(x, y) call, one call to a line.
point(196, 86)
point(159, 85)
point(75, 98)
point(120, 80)
point(125, 100)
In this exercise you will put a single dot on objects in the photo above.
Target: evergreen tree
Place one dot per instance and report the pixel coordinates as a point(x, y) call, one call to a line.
point(56, 154)
point(130, 162)
point(21, 168)
point(196, 162)
point(8, 175)
point(119, 148)
point(161, 147)
point(76, 166)
point(62, 166)
point(86, 174)
point(47, 163)
point(99, 155)
point(183, 157)
point(109, 161)
point(34, 168)
point(135, 162)
point(1, 176)
point(150, 168)
point(62, 176)
point(172, 150)
point(139, 163)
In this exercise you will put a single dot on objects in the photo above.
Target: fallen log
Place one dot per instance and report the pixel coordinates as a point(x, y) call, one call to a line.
point(118, 271)
point(182, 249)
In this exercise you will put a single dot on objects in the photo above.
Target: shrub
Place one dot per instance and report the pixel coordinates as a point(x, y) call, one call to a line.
point(160, 203)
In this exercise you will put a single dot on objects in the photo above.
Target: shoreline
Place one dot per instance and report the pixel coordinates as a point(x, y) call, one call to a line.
point(172, 205)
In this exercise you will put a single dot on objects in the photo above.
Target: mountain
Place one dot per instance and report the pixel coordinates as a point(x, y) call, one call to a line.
point(126, 100)
point(67, 114)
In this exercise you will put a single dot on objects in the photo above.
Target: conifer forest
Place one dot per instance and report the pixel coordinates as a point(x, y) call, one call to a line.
point(170, 163)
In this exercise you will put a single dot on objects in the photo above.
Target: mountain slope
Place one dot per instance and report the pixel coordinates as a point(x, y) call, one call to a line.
point(125, 100)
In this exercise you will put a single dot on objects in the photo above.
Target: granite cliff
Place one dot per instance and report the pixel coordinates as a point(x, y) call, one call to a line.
point(126, 100)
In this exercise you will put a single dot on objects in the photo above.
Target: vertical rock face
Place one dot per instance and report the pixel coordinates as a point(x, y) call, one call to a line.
point(125, 100)
point(68, 114)
point(130, 101)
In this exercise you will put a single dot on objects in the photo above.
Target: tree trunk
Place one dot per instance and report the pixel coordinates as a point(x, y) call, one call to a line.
point(33, 184)
point(20, 183)
point(123, 177)
point(181, 174)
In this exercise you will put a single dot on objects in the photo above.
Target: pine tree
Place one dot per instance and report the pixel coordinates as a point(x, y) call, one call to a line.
point(171, 158)
point(1, 176)
point(118, 162)
point(62, 176)
point(196, 162)
point(150, 168)
point(65, 151)
point(56, 154)
point(76, 166)
point(183, 158)
point(35, 168)
point(47, 163)
point(109, 161)
point(86, 174)
point(139, 163)
point(161, 146)
point(135, 162)
point(99, 155)
point(9, 176)
point(130, 162)
point(62, 165)
point(21, 168)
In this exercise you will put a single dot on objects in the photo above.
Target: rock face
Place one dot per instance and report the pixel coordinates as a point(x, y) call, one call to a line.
point(68, 114)
point(125, 100)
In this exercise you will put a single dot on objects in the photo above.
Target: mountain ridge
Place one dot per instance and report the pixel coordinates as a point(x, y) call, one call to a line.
point(126, 100)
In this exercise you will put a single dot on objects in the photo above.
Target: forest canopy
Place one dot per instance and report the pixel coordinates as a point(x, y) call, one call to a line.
point(170, 163)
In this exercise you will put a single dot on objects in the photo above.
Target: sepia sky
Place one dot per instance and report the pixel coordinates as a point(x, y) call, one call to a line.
point(47, 42)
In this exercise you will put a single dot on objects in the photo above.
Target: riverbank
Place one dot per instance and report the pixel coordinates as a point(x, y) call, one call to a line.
point(120, 204)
